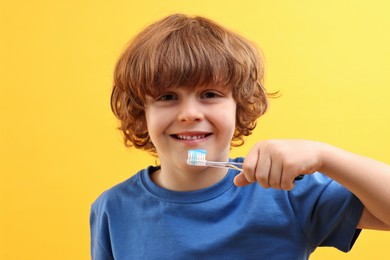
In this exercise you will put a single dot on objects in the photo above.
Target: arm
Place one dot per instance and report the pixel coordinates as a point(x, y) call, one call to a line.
point(368, 179)
point(275, 163)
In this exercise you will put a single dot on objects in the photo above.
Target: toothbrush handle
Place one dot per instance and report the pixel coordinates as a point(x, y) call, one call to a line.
point(231, 165)
point(238, 166)
point(223, 164)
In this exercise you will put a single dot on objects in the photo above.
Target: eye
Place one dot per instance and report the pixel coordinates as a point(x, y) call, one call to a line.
point(211, 94)
point(167, 97)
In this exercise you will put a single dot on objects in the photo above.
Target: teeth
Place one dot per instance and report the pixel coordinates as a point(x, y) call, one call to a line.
point(192, 137)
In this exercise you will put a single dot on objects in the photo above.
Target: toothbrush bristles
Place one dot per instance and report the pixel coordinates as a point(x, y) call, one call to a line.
point(196, 157)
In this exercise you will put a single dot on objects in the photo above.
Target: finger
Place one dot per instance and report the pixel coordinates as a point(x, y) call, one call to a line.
point(275, 174)
point(240, 180)
point(263, 170)
point(287, 182)
point(250, 164)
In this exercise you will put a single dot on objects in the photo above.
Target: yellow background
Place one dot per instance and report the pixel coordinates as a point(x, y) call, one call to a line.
point(59, 147)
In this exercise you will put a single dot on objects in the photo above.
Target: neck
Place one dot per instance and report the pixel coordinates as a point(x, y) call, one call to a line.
point(189, 179)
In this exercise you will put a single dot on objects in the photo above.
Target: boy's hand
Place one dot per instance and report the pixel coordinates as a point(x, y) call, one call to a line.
point(276, 163)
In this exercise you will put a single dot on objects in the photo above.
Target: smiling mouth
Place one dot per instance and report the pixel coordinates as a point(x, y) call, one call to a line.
point(190, 137)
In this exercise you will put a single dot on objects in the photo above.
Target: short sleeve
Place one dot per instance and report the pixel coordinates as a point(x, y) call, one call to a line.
point(99, 230)
point(327, 212)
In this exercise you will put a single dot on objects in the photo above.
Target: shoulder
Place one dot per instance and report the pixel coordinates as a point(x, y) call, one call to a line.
point(319, 191)
point(119, 192)
point(319, 185)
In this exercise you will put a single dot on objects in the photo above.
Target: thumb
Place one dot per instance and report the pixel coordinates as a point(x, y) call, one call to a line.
point(240, 180)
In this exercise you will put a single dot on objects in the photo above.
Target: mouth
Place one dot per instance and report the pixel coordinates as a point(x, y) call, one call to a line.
point(190, 137)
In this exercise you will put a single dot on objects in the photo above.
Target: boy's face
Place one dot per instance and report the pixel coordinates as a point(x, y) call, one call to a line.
point(181, 119)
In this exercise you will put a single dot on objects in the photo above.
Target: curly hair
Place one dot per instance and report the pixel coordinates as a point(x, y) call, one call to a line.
point(187, 52)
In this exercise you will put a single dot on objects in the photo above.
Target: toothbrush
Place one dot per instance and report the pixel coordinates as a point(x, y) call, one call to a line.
point(197, 157)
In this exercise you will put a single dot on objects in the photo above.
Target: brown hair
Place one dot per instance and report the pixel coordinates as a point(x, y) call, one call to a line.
point(184, 51)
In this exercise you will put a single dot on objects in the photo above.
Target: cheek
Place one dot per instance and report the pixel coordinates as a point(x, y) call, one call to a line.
point(154, 124)
point(228, 119)
point(233, 117)
point(149, 122)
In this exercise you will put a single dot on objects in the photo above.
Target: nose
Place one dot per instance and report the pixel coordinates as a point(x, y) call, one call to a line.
point(190, 110)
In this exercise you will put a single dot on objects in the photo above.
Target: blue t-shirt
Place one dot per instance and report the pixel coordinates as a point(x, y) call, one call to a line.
point(137, 219)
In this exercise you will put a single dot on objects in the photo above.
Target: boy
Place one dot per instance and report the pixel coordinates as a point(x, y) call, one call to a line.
point(187, 83)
